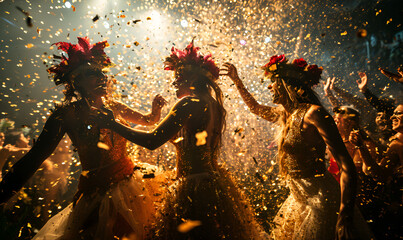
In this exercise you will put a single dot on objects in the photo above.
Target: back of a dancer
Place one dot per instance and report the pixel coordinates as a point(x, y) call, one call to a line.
point(197, 142)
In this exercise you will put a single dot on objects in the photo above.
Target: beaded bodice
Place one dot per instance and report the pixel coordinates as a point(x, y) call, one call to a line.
point(300, 158)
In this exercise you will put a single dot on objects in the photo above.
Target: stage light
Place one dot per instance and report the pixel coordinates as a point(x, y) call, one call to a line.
point(267, 39)
point(184, 23)
point(67, 4)
point(242, 42)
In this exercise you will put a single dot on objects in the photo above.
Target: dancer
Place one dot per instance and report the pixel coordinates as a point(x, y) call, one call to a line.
point(111, 200)
point(310, 212)
point(205, 203)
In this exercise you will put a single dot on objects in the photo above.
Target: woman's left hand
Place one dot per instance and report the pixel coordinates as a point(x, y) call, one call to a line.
point(102, 116)
point(158, 102)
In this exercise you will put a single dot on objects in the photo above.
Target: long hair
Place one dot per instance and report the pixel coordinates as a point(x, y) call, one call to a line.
point(207, 83)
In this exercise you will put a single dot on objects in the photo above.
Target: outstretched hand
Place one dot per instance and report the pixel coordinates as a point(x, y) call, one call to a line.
point(102, 116)
point(230, 70)
point(395, 77)
point(158, 102)
point(362, 82)
point(328, 85)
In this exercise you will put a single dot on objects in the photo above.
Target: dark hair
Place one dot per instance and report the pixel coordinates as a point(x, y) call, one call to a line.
point(71, 90)
point(203, 83)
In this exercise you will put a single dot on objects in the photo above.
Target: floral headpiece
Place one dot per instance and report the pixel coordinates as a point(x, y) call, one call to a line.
point(81, 55)
point(298, 70)
point(191, 59)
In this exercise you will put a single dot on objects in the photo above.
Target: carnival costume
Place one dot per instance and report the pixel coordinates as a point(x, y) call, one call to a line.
point(112, 199)
point(310, 211)
point(205, 202)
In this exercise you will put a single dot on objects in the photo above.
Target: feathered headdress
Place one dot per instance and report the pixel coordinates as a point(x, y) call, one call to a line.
point(191, 59)
point(81, 54)
point(298, 70)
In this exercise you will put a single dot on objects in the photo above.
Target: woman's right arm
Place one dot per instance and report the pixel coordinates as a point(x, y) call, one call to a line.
point(135, 117)
point(323, 122)
point(266, 112)
point(166, 129)
point(21, 171)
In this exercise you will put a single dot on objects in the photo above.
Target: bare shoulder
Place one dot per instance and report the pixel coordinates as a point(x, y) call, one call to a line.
point(396, 145)
point(317, 114)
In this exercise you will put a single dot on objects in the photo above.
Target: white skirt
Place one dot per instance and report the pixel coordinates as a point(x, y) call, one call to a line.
point(124, 210)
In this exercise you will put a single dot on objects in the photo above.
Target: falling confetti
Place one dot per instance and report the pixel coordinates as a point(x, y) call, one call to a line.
point(188, 225)
point(201, 138)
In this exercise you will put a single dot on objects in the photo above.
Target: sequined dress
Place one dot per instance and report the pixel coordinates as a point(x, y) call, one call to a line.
point(204, 203)
point(310, 211)
point(112, 200)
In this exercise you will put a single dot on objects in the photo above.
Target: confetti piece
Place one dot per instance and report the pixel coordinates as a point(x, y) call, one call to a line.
point(201, 138)
point(103, 146)
point(178, 139)
point(362, 33)
point(96, 18)
point(85, 173)
point(188, 225)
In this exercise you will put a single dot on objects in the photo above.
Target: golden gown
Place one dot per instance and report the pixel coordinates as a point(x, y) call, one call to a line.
point(310, 211)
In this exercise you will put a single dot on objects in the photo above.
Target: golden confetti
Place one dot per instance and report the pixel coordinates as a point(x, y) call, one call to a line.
point(188, 225)
point(103, 146)
point(201, 138)
point(178, 139)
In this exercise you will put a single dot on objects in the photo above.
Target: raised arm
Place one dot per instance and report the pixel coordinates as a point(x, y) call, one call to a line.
point(395, 77)
point(21, 171)
point(266, 112)
point(327, 88)
point(323, 122)
point(135, 117)
point(165, 131)
point(377, 103)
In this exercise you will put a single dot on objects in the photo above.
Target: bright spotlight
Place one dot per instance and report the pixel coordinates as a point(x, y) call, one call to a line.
point(67, 4)
point(184, 23)
point(242, 42)
point(267, 39)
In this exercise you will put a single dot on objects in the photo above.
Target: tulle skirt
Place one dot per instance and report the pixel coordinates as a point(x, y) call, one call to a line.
point(123, 210)
point(310, 211)
point(206, 206)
